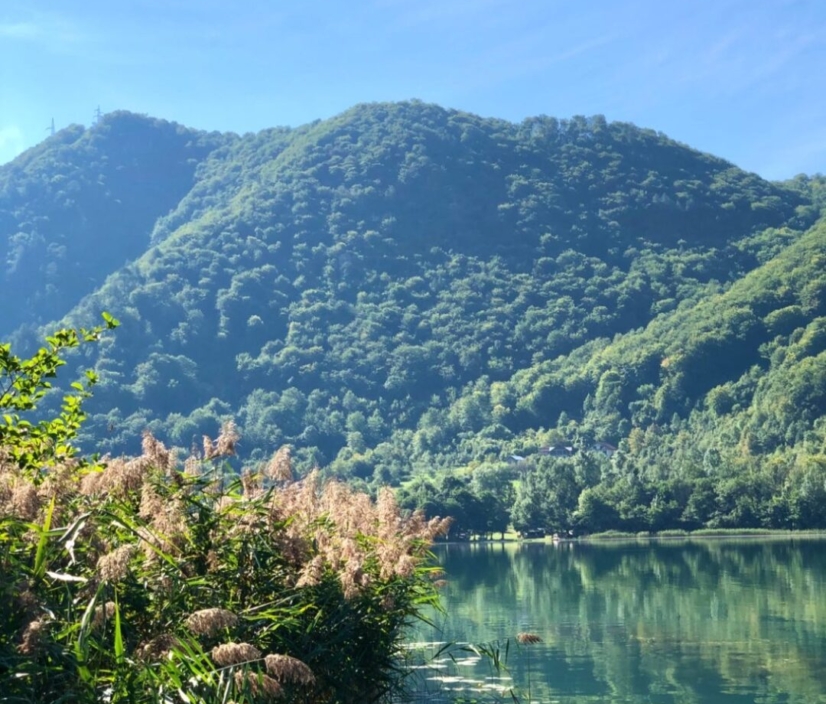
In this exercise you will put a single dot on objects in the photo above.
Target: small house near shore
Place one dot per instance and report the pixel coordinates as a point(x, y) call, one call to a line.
point(561, 450)
point(604, 448)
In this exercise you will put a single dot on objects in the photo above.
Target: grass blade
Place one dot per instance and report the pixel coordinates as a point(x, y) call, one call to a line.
point(40, 555)
point(120, 650)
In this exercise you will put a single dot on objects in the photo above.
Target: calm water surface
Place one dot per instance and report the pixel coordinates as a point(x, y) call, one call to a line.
point(713, 621)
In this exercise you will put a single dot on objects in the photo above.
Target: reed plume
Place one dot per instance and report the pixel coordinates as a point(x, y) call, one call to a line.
point(289, 669)
point(259, 685)
point(234, 653)
point(208, 622)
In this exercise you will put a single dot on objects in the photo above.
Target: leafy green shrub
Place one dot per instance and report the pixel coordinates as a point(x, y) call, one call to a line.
point(144, 580)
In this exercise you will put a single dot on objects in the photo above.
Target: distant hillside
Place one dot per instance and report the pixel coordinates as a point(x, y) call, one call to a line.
point(719, 409)
point(406, 289)
point(80, 205)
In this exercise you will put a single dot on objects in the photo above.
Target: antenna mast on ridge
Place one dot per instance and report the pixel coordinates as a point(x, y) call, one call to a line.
point(50, 129)
point(98, 115)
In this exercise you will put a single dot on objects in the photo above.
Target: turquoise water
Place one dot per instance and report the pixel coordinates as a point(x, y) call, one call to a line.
point(713, 621)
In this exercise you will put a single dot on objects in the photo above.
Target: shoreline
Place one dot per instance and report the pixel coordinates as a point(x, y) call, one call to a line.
point(667, 535)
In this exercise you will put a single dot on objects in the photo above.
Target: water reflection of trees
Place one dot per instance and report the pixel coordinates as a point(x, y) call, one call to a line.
point(686, 621)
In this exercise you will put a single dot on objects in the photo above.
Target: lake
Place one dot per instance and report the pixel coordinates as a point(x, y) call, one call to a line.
point(703, 621)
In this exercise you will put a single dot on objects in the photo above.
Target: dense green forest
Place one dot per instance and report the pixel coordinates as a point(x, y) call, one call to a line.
point(83, 203)
point(421, 297)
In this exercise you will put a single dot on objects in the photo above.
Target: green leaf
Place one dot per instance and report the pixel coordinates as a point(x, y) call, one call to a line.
point(40, 555)
point(81, 645)
point(120, 649)
point(110, 320)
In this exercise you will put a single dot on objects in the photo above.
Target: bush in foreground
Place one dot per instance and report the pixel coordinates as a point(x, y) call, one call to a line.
point(143, 580)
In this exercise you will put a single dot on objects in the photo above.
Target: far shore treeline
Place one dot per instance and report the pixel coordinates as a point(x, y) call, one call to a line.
point(562, 325)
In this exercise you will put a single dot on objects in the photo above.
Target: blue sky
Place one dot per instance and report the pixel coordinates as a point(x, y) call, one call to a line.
point(742, 79)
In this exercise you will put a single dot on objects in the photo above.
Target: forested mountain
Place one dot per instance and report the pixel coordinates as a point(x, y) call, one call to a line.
point(80, 205)
point(406, 292)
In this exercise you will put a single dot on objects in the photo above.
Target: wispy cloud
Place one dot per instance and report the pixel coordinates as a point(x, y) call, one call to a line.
point(12, 142)
point(429, 12)
point(804, 155)
point(50, 30)
point(19, 30)
point(526, 57)
point(763, 46)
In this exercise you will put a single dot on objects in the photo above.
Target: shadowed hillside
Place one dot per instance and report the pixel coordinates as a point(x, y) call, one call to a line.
point(80, 205)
